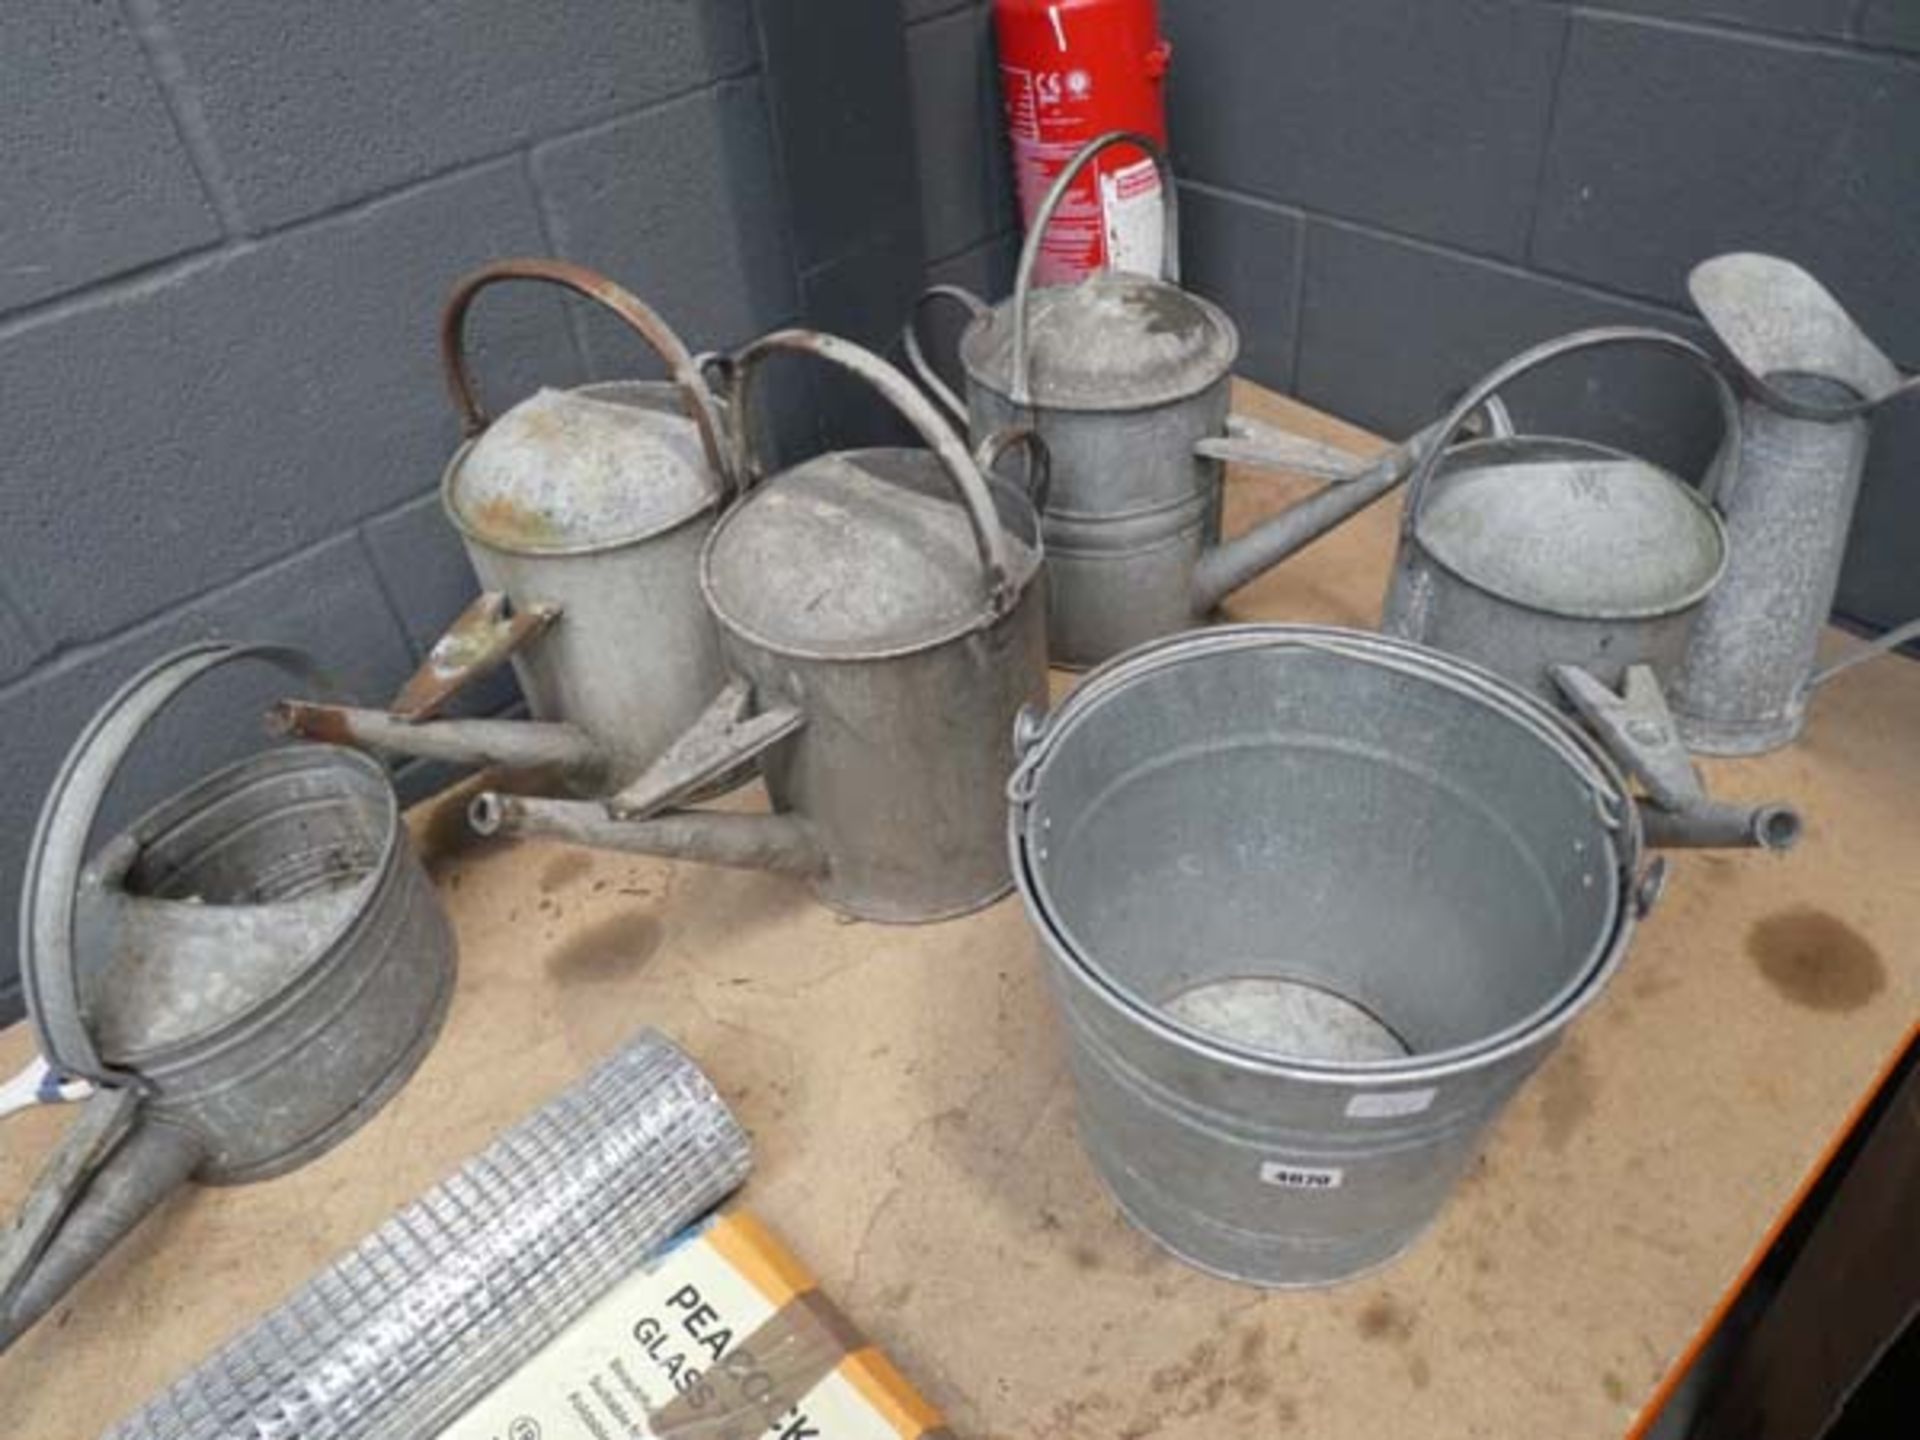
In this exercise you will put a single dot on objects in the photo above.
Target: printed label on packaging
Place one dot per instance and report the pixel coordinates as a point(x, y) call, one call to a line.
point(1130, 206)
point(1300, 1177)
point(722, 1338)
point(1390, 1104)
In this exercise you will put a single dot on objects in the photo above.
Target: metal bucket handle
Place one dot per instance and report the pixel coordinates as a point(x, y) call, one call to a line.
point(1488, 387)
point(685, 372)
point(976, 308)
point(913, 407)
point(56, 861)
point(1043, 218)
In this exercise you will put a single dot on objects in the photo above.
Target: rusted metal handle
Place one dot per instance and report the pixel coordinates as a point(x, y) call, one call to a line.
point(1043, 217)
point(913, 407)
point(1490, 385)
point(1039, 480)
point(683, 369)
point(976, 309)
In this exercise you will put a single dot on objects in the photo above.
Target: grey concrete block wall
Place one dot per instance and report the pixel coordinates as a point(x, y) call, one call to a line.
point(1460, 178)
point(226, 237)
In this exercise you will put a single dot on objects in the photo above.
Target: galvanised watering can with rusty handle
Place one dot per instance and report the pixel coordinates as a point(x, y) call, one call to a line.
point(1126, 378)
point(883, 613)
point(583, 512)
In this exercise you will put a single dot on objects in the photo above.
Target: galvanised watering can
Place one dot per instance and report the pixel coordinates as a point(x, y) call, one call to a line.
point(1813, 382)
point(883, 613)
point(583, 512)
point(1126, 378)
point(240, 979)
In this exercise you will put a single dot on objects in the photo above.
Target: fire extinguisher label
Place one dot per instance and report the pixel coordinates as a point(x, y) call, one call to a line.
point(1131, 212)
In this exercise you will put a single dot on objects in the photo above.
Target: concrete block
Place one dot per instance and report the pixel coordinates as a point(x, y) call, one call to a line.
point(1419, 117)
point(844, 122)
point(425, 572)
point(95, 180)
point(324, 601)
point(173, 436)
point(1245, 256)
point(17, 648)
point(1890, 22)
point(918, 10)
point(1827, 18)
point(1880, 584)
point(1392, 331)
point(864, 297)
point(314, 105)
point(965, 185)
point(682, 206)
point(1670, 146)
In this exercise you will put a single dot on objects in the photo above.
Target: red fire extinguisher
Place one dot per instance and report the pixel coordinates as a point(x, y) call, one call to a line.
point(1070, 71)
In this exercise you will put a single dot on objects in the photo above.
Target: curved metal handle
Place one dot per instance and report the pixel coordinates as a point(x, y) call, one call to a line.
point(1043, 217)
point(1039, 477)
point(1488, 387)
point(923, 371)
point(683, 370)
point(56, 859)
point(913, 407)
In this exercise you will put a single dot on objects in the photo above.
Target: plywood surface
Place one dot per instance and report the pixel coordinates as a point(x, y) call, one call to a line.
point(915, 1144)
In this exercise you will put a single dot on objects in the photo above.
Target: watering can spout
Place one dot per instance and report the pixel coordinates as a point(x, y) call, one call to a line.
point(783, 844)
point(516, 744)
point(111, 1171)
point(1713, 825)
point(1236, 562)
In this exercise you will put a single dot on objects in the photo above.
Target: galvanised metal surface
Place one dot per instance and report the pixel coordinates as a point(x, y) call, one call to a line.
point(1813, 381)
point(886, 611)
point(587, 508)
point(1525, 552)
point(402, 1334)
point(1314, 905)
point(1123, 376)
point(246, 974)
point(1127, 379)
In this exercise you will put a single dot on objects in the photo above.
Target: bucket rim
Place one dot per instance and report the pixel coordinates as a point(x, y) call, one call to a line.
point(1618, 816)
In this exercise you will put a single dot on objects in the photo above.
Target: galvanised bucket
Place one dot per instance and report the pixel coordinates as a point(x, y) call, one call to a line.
point(1315, 904)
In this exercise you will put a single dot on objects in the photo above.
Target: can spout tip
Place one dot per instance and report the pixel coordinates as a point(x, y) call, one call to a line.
point(486, 813)
point(1778, 827)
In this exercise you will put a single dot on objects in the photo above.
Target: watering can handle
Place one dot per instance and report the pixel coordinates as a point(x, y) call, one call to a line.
point(923, 370)
point(1043, 218)
point(685, 372)
point(1039, 476)
point(913, 407)
point(57, 867)
point(1488, 387)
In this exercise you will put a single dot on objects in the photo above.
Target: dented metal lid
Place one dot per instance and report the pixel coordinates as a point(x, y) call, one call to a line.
point(572, 471)
point(859, 554)
point(1571, 528)
point(1114, 341)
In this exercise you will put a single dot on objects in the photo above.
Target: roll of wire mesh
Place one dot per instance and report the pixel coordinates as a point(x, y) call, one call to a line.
point(401, 1335)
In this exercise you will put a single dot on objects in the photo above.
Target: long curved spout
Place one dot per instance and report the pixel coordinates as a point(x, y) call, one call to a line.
point(1233, 563)
point(153, 1161)
point(780, 843)
point(518, 744)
